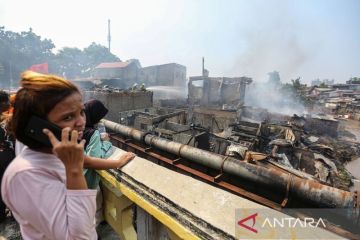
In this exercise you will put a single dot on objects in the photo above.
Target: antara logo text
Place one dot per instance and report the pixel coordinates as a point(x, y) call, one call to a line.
point(286, 222)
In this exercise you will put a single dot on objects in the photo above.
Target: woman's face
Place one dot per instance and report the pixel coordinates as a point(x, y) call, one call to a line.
point(69, 113)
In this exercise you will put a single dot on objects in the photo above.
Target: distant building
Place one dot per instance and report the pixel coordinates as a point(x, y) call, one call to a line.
point(119, 74)
point(319, 93)
point(315, 82)
point(318, 82)
point(126, 74)
point(353, 80)
point(171, 74)
point(354, 87)
point(341, 93)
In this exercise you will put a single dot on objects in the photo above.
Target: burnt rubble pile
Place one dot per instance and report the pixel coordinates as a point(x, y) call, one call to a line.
point(215, 118)
point(297, 147)
point(310, 147)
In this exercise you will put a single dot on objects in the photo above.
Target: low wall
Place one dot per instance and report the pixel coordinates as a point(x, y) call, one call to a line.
point(118, 102)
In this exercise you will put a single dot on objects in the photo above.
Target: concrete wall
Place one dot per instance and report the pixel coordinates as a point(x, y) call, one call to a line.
point(171, 74)
point(121, 101)
point(173, 103)
point(217, 90)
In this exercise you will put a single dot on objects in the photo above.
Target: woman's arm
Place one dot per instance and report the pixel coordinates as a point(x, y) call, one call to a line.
point(70, 152)
point(103, 164)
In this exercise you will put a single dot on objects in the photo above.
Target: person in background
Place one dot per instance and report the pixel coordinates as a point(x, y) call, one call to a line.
point(18, 145)
point(7, 153)
point(98, 146)
point(44, 187)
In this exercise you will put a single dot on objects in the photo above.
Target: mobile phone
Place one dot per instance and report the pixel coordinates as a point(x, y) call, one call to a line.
point(35, 127)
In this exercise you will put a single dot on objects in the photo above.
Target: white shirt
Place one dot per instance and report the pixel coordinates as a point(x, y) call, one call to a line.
point(34, 188)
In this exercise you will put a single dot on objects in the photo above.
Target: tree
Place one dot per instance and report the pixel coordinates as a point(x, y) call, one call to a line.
point(18, 51)
point(323, 85)
point(96, 54)
point(74, 63)
point(274, 78)
point(68, 62)
point(296, 84)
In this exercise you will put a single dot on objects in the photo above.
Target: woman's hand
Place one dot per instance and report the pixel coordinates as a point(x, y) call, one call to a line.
point(124, 159)
point(105, 136)
point(71, 153)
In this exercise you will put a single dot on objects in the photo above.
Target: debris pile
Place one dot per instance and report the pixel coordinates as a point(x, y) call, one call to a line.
point(297, 145)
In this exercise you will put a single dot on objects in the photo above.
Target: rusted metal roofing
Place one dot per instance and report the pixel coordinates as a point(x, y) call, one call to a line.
point(113, 65)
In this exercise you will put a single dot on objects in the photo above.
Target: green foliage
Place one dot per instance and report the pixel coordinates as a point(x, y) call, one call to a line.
point(94, 52)
point(19, 51)
point(296, 91)
point(354, 80)
point(68, 62)
point(296, 84)
point(323, 85)
point(274, 78)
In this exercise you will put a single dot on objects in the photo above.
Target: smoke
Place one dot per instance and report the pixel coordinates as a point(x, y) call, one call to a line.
point(273, 43)
point(274, 98)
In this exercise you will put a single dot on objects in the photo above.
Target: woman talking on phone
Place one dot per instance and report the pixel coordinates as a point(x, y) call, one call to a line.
point(44, 186)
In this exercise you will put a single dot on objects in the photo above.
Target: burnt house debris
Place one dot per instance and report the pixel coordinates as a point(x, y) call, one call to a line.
point(225, 91)
point(341, 100)
point(257, 176)
point(274, 159)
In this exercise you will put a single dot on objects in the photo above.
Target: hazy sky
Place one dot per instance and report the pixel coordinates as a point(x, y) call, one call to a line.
point(307, 38)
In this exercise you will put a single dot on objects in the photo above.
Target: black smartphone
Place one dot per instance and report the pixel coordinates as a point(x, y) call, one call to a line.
point(35, 127)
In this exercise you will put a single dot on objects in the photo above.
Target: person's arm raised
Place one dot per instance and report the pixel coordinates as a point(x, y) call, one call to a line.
point(71, 153)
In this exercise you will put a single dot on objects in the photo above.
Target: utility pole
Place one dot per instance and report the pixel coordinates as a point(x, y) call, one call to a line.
point(109, 36)
point(11, 76)
point(203, 66)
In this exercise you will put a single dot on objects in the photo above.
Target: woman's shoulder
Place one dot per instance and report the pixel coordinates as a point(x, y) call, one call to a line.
point(37, 164)
point(30, 159)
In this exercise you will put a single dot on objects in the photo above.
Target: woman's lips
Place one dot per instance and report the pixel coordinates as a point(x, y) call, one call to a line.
point(80, 134)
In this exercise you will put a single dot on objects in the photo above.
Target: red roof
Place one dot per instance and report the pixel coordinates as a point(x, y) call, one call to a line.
point(113, 65)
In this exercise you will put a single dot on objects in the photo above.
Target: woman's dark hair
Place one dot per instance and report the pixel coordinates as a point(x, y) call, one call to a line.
point(4, 100)
point(4, 96)
point(94, 111)
point(38, 96)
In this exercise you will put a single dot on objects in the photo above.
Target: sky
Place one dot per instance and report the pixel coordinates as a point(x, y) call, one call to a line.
point(298, 38)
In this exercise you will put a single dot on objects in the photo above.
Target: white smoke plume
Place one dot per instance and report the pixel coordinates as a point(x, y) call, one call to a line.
point(273, 98)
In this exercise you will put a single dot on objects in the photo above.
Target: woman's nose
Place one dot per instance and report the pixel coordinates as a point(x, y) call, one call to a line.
point(80, 121)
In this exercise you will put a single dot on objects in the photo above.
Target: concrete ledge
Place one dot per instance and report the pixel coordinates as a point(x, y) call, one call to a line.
point(199, 208)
